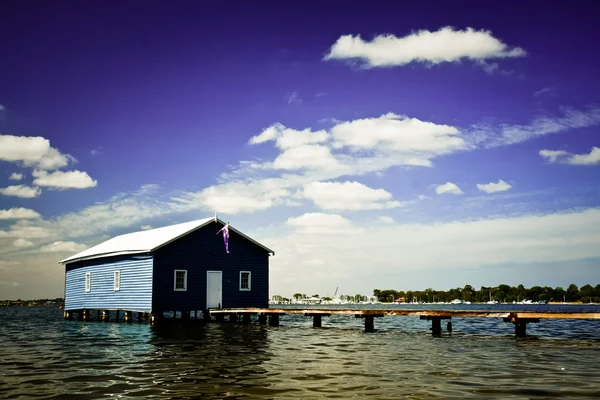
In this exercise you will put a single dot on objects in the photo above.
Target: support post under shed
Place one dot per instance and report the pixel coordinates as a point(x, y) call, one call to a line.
point(273, 319)
point(262, 318)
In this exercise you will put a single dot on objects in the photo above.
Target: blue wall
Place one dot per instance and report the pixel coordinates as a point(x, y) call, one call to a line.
point(135, 293)
point(203, 250)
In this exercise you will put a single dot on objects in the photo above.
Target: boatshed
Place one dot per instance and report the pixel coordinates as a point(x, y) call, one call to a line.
point(197, 265)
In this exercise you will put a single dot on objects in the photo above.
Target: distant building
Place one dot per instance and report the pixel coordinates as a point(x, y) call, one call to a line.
point(181, 267)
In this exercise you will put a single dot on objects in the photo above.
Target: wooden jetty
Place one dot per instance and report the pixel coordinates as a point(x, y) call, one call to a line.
point(520, 319)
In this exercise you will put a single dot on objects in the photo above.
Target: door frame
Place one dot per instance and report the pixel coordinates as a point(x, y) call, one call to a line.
point(207, 288)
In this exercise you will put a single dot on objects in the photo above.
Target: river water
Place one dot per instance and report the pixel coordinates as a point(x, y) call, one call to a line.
point(43, 356)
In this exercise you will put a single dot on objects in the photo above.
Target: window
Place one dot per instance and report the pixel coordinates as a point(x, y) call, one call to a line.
point(180, 280)
point(117, 280)
point(88, 281)
point(244, 280)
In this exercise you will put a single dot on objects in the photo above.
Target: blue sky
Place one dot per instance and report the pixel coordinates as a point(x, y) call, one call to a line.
point(371, 146)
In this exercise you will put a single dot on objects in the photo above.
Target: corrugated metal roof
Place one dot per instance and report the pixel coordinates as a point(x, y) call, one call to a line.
point(145, 241)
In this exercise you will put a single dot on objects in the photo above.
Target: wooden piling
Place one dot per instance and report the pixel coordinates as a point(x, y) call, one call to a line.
point(273, 319)
point(220, 317)
point(369, 323)
point(449, 326)
point(245, 318)
point(436, 326)
point(262, 318)
point(520, 324)
point(117, 316)
point(206, 316)
point(436, 323)
point(157, 318)
point(317, 318)
point(316, 321)
point(233, 317)
point(520, 329)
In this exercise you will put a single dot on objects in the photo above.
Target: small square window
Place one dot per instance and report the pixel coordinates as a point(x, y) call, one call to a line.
point(117, 280)
point(180, 280)
point(88, 281)
point(245, 280)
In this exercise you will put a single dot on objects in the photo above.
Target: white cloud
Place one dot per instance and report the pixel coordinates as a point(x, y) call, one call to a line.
point(32, 152)
point(348, 196)
point(293, 98)
point(18, 213)
point(492, 187)
point(354, 148)
point(311, 223)
point(27, 229)
point(237, 197)
point(286, 138)
point(385, 219)
point(349, 148)
point(22, 191)
point(123, 210)
point(564, 157)
point(391, 132)
point(448, 188)
point(553, 155)
point(375, 144)
point(443, 45)
point(22, 243)
point(545, 92)
point(63, 179)
point(311, 157)
point(15, 176)
point(505, 134)
point(146, 227)
point(63, 247)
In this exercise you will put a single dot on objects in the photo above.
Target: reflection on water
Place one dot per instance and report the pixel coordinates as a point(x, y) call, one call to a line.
point(43, 356)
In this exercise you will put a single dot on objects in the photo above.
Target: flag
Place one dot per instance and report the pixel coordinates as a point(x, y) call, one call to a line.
point(225, 231)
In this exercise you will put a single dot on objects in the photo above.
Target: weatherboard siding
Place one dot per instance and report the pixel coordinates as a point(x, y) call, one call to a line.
point(135, 291)
point(201, 251)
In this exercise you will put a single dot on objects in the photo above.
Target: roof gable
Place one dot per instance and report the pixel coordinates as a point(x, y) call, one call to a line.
point(146, 241)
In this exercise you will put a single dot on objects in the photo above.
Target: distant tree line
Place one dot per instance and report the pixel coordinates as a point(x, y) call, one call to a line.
point(500, 293)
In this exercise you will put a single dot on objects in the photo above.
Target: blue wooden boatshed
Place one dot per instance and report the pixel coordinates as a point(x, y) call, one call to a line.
point(183, 267)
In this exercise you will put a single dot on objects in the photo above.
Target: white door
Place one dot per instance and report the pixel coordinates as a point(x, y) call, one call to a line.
point(214, 286)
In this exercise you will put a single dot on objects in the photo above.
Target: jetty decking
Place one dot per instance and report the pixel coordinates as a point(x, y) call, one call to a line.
point(520, 319)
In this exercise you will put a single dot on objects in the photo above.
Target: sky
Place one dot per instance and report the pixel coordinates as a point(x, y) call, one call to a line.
point(370, 145)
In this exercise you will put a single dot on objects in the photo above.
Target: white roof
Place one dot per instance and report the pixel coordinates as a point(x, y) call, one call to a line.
point(145, 241)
